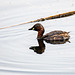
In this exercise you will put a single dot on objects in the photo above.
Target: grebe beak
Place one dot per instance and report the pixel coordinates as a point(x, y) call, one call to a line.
point(31, 28)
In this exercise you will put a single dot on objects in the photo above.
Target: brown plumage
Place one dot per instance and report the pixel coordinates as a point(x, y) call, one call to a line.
point(54, 35)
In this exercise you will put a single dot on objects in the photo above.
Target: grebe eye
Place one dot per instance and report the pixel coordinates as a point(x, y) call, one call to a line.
point(33, 29)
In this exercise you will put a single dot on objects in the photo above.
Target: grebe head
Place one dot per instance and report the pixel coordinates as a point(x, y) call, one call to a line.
point(39, 28)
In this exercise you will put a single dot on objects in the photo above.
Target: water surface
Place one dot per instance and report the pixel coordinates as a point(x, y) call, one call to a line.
point(15, 56)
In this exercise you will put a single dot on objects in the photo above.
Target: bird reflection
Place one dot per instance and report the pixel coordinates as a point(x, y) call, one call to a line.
point(57, 41)
point(41, 48)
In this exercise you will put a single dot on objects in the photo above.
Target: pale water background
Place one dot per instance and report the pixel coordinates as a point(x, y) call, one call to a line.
point(15, 56)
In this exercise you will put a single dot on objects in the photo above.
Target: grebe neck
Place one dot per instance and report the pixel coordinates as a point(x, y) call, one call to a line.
point(40, 33)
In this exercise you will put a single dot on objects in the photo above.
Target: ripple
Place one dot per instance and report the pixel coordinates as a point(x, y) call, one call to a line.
point(15, 55)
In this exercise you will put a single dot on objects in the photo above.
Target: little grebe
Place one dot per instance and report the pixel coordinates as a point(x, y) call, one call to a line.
point(54, 35)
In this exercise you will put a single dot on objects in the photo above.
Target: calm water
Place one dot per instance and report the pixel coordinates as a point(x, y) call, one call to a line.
point(16, 57)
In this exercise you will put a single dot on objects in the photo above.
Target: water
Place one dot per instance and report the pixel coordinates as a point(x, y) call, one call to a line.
point(15, 56)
